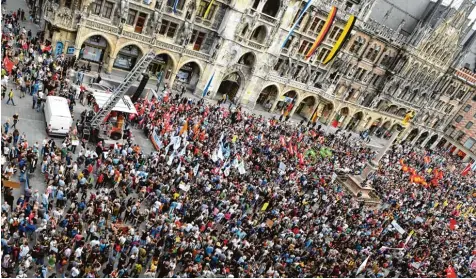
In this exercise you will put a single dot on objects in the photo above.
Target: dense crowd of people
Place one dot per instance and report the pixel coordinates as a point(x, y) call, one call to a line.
point(226, 194)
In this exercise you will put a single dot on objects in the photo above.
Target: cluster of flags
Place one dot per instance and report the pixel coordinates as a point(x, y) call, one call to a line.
point(322, 34)
point(419, 179)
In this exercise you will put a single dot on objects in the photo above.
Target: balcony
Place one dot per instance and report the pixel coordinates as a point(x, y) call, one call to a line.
point(267, 18)
point(62, 18)
point(101, 26)
point(256, 45)
point(138, 37)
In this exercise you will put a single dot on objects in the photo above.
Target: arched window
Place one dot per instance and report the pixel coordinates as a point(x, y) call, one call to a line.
point(271, 8)
point(259, 34)
point(357, 45)
point(369, 53)
point(375, 53)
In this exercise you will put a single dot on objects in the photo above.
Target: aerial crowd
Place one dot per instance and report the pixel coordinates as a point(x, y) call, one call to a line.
point(227, 193)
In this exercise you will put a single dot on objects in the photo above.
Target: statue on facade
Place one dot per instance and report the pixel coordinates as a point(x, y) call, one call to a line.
point(241, 26)
point(346, 95)
point(375, 102)
point(215, 50)
point(155, 23)
point(184, 34)
point(190, 9)
point(291, 68)
point(124, 10)
point(351, 72)
point(365, 8)
point(305, 77)
point(361, 99)
point(294, 47)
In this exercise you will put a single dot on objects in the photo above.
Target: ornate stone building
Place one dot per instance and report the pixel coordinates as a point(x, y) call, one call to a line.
point(395, 62)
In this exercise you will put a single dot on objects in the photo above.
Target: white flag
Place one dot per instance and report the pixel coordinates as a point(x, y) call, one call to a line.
point(184, 149)
point(179, 167)
point(171, 159)
point(195, 169)
point(241, 167)
point(178, 141)
point(362, 266)
point(220, 152)
point(215, 156)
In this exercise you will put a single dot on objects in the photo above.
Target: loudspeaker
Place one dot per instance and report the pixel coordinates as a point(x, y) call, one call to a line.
point(140, 89)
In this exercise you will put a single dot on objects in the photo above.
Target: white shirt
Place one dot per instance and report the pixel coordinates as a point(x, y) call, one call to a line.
point(74, 272)
point(78, 252)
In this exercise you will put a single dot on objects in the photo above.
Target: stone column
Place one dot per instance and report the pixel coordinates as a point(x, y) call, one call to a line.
point(446, 144)
point(425, 141)
point(415, 139)
point(110, 63)
point(433, 146)
point(313, 109)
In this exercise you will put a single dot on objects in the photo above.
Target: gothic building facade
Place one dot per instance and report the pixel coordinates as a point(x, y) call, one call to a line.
point(396, 62)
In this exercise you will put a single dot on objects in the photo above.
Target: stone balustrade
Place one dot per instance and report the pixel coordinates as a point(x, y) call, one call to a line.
point(255, 45)
point(62, 18)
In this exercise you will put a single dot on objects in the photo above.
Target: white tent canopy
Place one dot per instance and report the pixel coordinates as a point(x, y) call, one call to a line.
point(124, 105)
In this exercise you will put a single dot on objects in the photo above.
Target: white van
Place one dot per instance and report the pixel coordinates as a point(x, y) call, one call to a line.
point(57, 115)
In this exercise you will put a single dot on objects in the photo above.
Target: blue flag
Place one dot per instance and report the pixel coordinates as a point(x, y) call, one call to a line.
point(308, 4)
point(175, 6)
point(205, 90)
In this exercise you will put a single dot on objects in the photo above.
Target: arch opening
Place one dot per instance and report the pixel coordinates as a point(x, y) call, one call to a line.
point(267, 97)
point(162, 68)
point(187, 77)
point(230, 85)
point(95, 49)
point(127, 57)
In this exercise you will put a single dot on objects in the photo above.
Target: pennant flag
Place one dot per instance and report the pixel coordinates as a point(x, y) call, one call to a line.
point(175, 5)
point(306, 7)
point(344, 36)
point(450, 272)
point(184, 128)
point(265, 205)
point(207, 87)
point(362, 266)
point(452, 224)
point(408, 237)
point(469, 168)
point(8, 64)
point(323, 33)
point(208, 9)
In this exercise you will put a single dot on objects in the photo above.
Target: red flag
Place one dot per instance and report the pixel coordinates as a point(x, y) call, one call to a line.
point(301, 159)
point(335, 123)
point(290, 148)
point(450, 272)
point(8, 64)
point(452, 224)
point(466, 170)
point(283, 142)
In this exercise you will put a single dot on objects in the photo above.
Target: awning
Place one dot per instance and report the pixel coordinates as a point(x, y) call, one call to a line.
point(124, 105)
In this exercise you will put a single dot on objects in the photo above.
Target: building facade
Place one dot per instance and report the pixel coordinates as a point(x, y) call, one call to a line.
point(380, 75)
